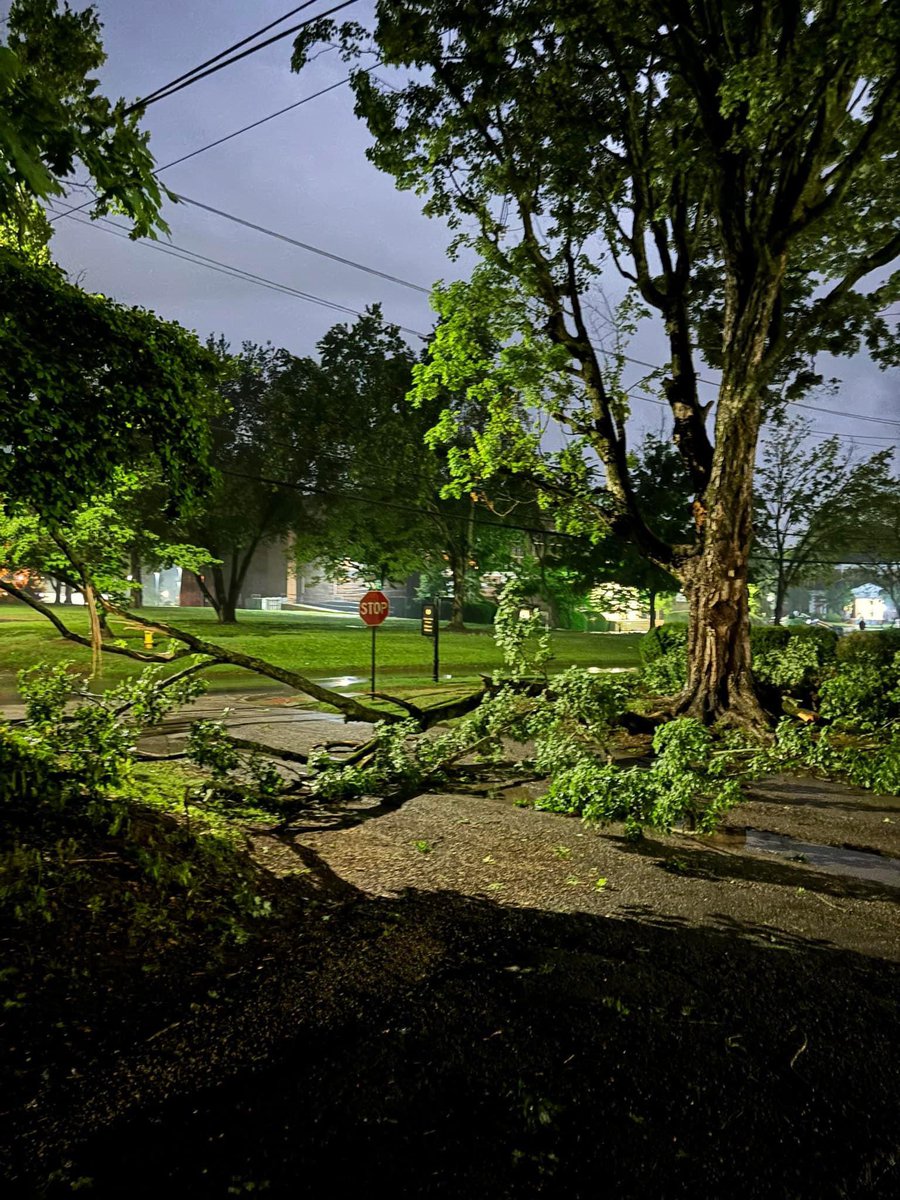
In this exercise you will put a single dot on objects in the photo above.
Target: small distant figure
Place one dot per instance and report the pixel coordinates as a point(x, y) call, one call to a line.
point(862, 624)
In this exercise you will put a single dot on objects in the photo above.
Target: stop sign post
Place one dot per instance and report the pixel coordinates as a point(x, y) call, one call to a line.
point(373, 608)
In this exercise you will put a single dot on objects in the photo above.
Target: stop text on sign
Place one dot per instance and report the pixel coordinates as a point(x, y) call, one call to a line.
point(374, 607)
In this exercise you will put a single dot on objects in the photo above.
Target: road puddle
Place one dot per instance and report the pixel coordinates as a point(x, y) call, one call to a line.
point(836, 860)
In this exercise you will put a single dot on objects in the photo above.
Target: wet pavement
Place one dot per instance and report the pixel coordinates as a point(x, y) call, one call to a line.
point(837, 860)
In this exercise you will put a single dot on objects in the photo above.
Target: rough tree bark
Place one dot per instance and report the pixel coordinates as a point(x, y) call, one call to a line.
point(136, 598)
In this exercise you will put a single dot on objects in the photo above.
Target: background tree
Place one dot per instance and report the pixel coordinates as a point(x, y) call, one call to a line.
point(371, 519)
point(86, 385)
point(579, 565)
point(663, 490)
point(54, 118)
point(386, 515)
point(276, 451)
point(735, 162)
point(878, 540)
point(811, 501)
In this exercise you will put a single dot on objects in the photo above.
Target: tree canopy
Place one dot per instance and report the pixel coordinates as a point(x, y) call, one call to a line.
point(735, 163)
point(53, 118)
point(86, 385)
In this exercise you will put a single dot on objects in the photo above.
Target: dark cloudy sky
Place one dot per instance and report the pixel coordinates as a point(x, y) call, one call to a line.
point(304, 174)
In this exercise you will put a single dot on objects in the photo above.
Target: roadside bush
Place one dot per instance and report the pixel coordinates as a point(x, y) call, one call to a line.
point(479, 612)
point(790, 660)
point(663, 652)
point(861, 694)
point(667, 674)
point(765, 638)
point(73, 822)
point(876, 645)
point(661, 640)
point(796, 665)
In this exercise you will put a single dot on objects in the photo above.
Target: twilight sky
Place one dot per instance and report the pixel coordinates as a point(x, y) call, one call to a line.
point(304, 174)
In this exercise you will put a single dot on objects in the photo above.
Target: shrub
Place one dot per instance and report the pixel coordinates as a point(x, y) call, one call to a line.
point(861, 694)
point(660, 640)
point(795, 666)
point(765, 638)
point(875, 645)
point(69, 797)
point(787, 659)
point(479, 612)
point(666, 675)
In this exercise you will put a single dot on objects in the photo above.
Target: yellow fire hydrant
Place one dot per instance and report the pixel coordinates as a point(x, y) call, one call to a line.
point(148, 639)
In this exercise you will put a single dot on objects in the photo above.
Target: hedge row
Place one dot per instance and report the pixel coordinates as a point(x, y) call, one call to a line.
point(763, 638)
point(878, 645)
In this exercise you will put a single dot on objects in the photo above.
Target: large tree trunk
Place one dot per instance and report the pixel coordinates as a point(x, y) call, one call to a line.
point(651, 600)
point(720, 681)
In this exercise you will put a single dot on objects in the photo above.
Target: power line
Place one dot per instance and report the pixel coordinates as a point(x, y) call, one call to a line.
point(821, 433)
point(227, 50)
point(198, 259)
point(836, 412)
point(188, 77)
point(170, 89)
point(283, 237)
point(106, 226)
point(253, 125)
point(227, 138)
point(425, 291)
point(358, 498)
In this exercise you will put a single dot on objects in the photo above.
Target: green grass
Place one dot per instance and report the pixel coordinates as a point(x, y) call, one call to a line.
point(314, 644)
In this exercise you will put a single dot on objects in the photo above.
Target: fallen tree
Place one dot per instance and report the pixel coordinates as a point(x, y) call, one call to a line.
point(214, 654)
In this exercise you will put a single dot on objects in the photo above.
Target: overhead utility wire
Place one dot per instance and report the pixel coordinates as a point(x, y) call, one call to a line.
point(820, 433)
point(350, 262)
point(222, 53)
point(532, 529)
point(213, 264)
point(171, 89)
point(283, 237)
point(106, 226)
point(796, 403)
point(227, 138)
point(426, 291)
point(253, 125)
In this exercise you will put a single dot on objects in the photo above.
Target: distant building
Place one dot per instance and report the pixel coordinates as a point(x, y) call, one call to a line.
point(872, 605)
point(273, 582)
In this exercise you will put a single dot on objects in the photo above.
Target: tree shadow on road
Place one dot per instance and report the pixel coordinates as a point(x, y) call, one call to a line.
point(436, 1044)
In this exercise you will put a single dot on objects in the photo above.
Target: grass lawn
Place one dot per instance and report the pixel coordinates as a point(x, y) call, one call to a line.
point(315, 644)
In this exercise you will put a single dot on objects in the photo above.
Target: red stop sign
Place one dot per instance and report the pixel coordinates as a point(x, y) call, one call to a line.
point(374, 607)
